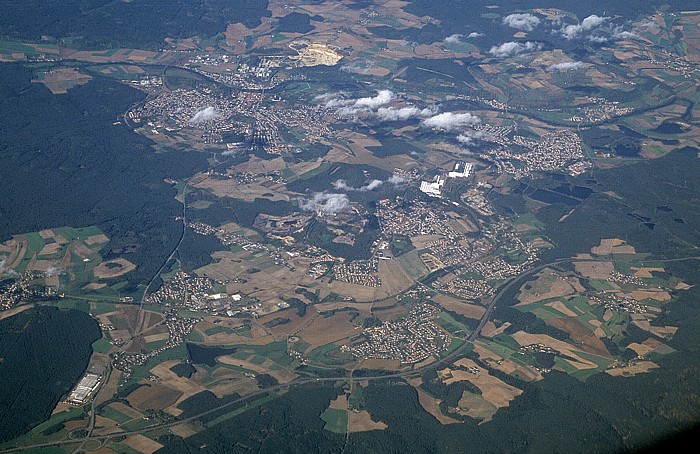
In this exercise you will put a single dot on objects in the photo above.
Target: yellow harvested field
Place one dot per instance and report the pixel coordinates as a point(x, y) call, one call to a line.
point(142, 444)
point(561, 307)
point(15, 311)
point(383, 364)
point(523, 338)
point(50, 249)
point(595, 270)
point(423, 241)
point(361, 421)
point(170, 379)
point(612, 246)
point(468, 310)
point(640, 349)
point(431, 404)
point(548, 285)
point(659, 295)
point(492, 389)
point(660, 331)
point(46, 234)
point(325, 330)
point(241, 386)
point(282, 375)
point(105, 426)
point(183, 430)
point(634, 369)
point(340, 403)
point(646, 272)
point(156, 337)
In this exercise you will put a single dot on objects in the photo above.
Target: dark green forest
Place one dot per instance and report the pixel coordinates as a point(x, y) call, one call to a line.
point(137, 23)
point(43, 352)
point(64, 162)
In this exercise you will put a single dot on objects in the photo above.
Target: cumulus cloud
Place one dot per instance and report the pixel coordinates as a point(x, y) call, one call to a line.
point(4, 270)
point(454, 39)
point(206, 114)
point(475, 35)
point(469, 136)
point(567, 66)
point(620, 33)
point(576, 30)
point(449, 121)
point(351, 107)
point(403, 113)
point(396, 180)
point(512, 48)
point(326, 202)
point(342, 185)
point(525, 22)
point(372, 102)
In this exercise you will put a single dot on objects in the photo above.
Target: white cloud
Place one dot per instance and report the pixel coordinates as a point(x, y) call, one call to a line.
point(589, 23)
point(454, 39)
point(512, 48)
point(206, 114)
point(403, 113)
point(566, 66)
point(620, 33)
point(326, 202)
point(475, 35)
point(525, 22)
point(449, 121)
point(351, 107)
point(396, 180)
point(342, 185)
point(468, 136)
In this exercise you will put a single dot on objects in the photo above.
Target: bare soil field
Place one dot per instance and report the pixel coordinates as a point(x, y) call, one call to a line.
point(381, 364)
point(581, 334)
point(492, 389)
point(267, 367)
point(113, 268)
point(634, 369)
point(658, 295)
point(490, 329)
point(548, 285)
point(339, 403)
point(157, 397)
point(453, 304)
point(325, 330)
point(645, 272)
point(142, 444)
point(361, 421)
point(612, 246)
point(183, 430)
point(523, 338)
point(595, 270)
point(15, 311)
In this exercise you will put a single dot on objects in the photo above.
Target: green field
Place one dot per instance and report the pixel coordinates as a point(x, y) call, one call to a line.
point(336, 420)
point(101, 346)
point(114, 415)
point(238, 411)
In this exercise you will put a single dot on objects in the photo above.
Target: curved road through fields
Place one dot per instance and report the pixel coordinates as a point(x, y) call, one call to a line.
point(514, 281)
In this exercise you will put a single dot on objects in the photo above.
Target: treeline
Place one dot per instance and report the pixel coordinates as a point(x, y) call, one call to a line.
point(44, 352)
point(83, 170)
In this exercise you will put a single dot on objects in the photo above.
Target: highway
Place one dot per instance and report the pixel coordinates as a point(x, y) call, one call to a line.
point(301, 381)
